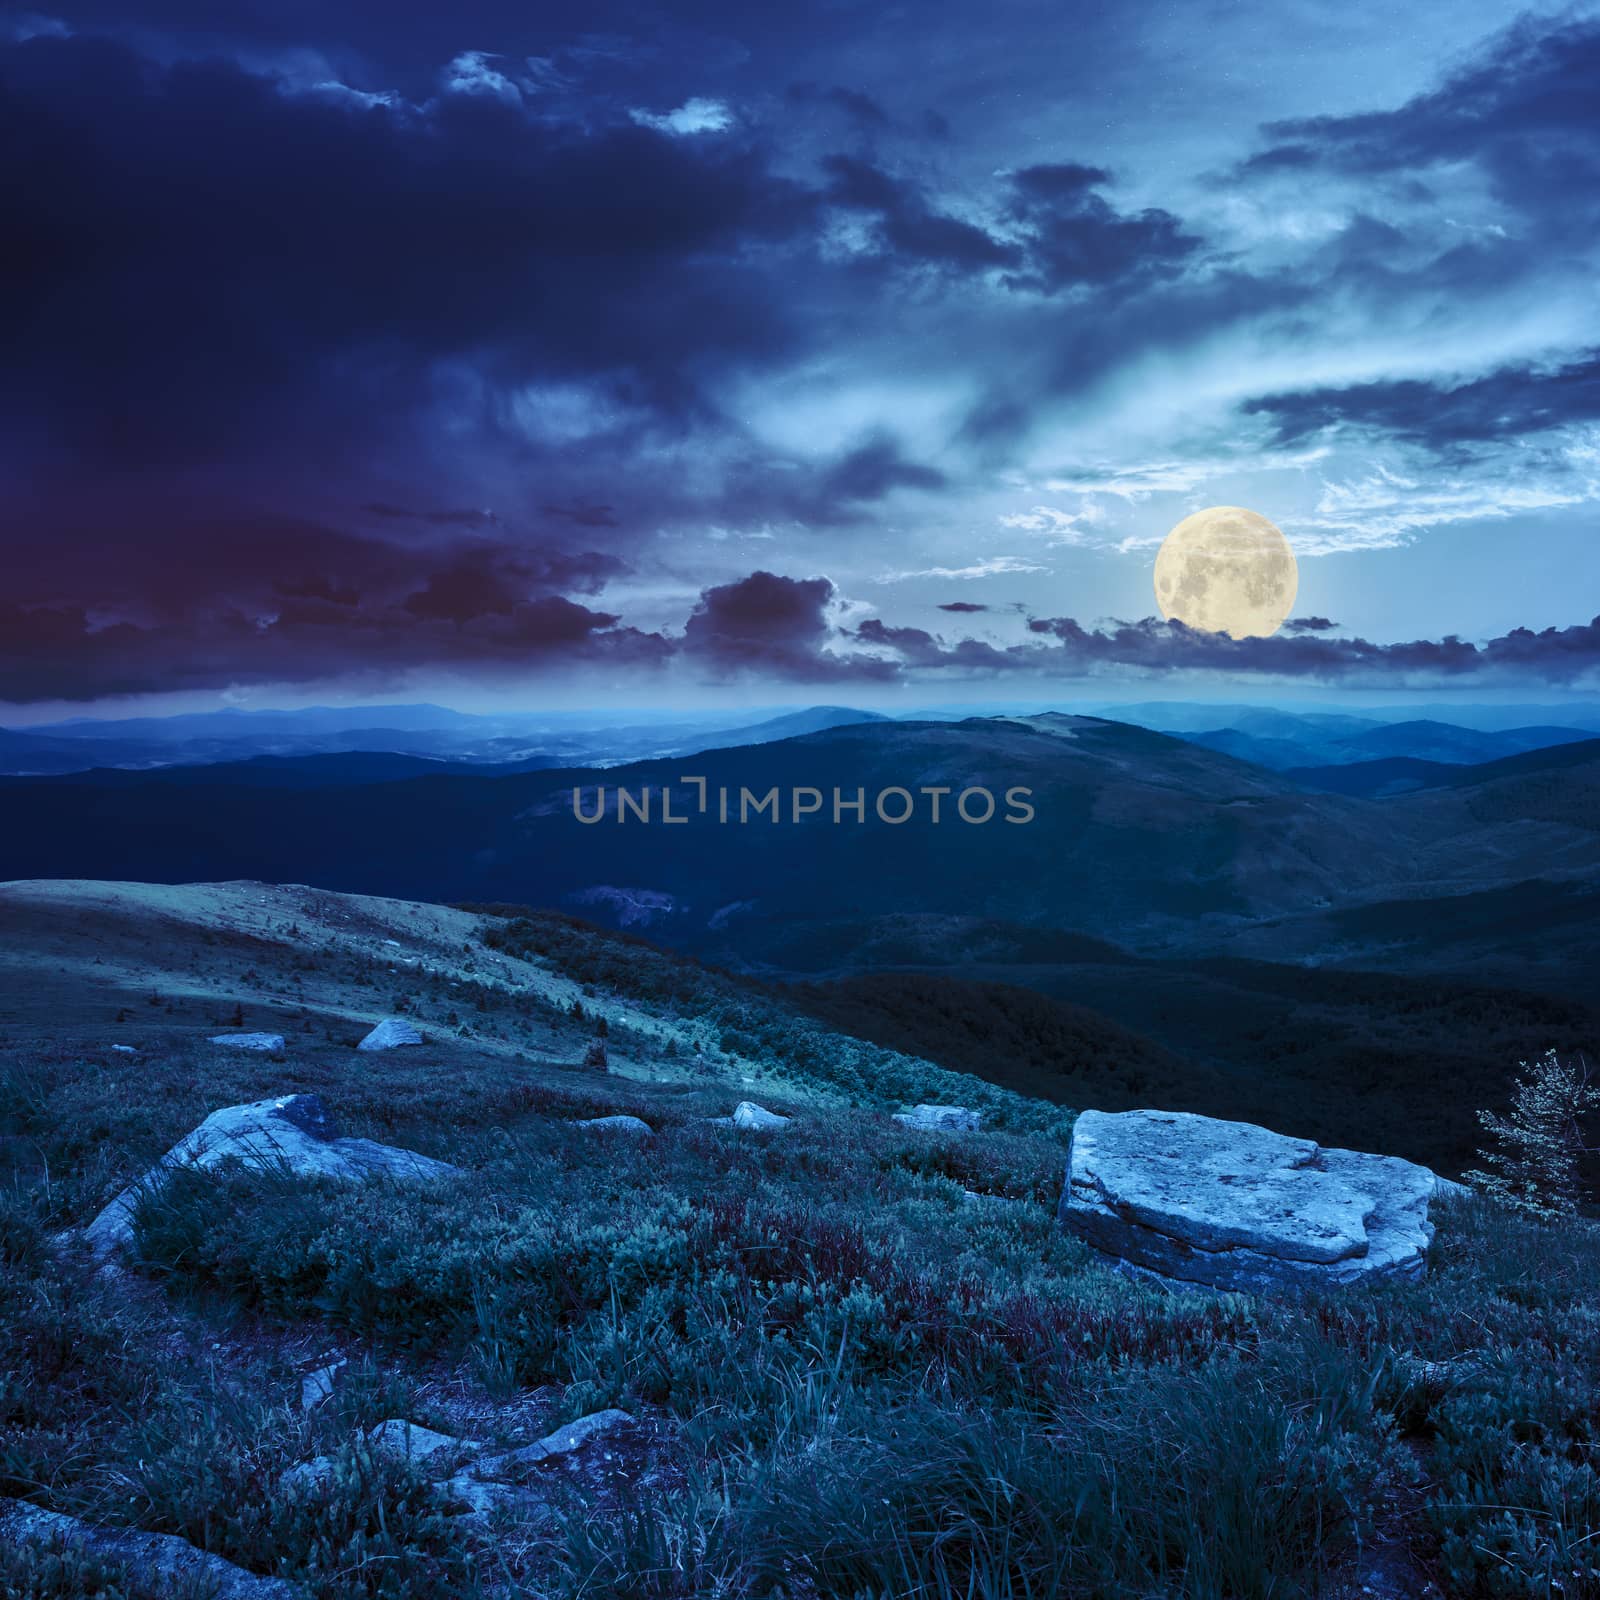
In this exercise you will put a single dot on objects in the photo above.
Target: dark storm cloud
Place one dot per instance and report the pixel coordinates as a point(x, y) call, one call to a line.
point(913, 232)
point(773, 626)
point(1309, 625)
point(241, 301)
point(465, 517)
point(1054, 230)
point(1554, 654)
point(873, 469)
point(860, 108)
point(1062, 646)
point(60, 653)
point(583, 515)
point(1502, 405)
point(209, 263)
point(1075, 236)
point(283, 602)
point(1523, 113)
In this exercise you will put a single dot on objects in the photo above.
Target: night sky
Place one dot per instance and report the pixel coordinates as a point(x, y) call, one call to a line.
point(594, 353)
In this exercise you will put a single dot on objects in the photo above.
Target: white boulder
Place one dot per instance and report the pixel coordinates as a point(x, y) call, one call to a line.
point(747, 1114)
point(293, 1132)
point(1235, 1206)
point(389, 1034)
point(249, 1041)
point(949, 1118)
point(636, 1126)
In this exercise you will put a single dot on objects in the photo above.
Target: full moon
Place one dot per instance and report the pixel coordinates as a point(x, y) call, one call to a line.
point(1227, 570)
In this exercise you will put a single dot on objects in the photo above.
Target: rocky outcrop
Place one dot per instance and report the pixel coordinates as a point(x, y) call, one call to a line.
point(1234, 1206)
point(618, 1124)
point(949, 1118)
point(156, 1558)
point(292, 1133)
point(249, 1041)
point(390, 1034)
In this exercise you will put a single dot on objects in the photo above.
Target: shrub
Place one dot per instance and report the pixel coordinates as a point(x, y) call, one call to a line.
point(1534, 1162)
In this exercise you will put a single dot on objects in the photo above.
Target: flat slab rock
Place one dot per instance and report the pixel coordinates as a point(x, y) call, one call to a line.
point(158, 1557)
point(293, 1132)
point(246, 1041)
point(1235, 1206)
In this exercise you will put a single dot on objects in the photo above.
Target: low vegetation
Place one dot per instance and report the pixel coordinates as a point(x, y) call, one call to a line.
point(880, 1368)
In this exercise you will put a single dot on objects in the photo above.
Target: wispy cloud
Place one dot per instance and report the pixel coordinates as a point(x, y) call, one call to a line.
point(1058, 527)
point(993, 567)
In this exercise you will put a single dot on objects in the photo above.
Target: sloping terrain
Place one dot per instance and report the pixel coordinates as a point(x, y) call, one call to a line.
point(841, 1357)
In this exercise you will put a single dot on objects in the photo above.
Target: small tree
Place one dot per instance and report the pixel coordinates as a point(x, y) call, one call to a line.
point(595, 1059)
point(1534, 1162)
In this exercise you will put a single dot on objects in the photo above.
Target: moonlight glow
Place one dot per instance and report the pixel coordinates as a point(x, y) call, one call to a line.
point(1227, 570)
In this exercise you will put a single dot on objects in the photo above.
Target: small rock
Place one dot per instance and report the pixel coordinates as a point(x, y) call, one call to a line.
point(482, 1499)
point(310, 1474)
point(747, 1114)
point(397, 1437)
point(619, 1124)
point(390, 1034)
point(317, 1386)
point(249, 1041)
point(949, 1118)
point(562, 1442)
point(126, 1049)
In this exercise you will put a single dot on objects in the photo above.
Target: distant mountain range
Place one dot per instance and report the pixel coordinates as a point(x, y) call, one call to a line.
point(429, 734)
point(1152, 842)
point(1284, 743)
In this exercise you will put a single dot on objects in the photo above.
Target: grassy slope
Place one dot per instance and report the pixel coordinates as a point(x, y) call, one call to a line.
point(858, 1381)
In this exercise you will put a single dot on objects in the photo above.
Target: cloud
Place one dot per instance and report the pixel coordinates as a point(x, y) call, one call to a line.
point(404, 266)
point(1505, 403)
point(1522, 113)
point(962, 607)
point(472, 72)
point(860, 108)
point(1385, 509)
point(1075, 237)
point(462, 517)
point(989, 567)
point(771, 625)
point(912, 232)
point(1308, 625)
point(699, 115)
point(61, 653)
point(1061, 527)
